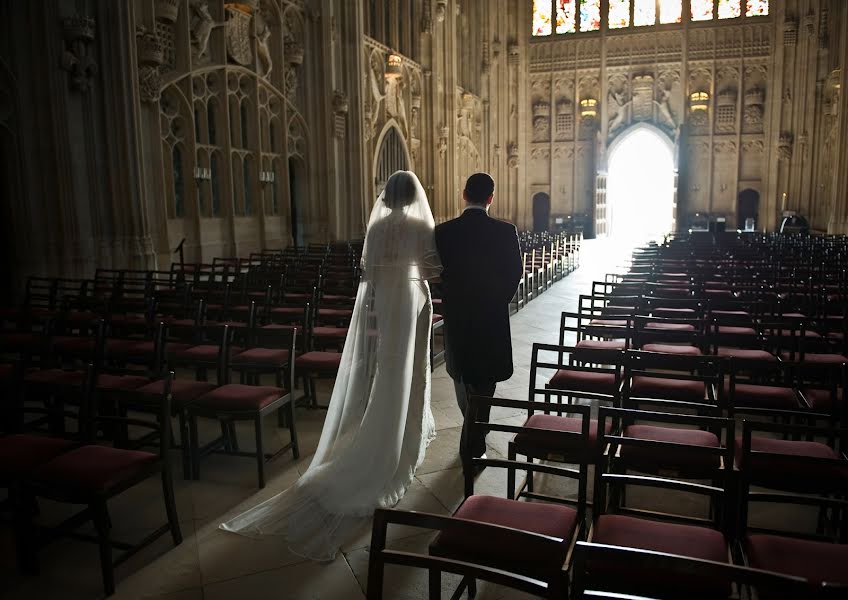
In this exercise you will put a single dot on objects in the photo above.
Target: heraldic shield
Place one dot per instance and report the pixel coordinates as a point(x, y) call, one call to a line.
point(238, 36)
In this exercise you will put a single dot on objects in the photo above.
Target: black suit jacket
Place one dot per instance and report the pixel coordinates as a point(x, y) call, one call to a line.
point(482, 266)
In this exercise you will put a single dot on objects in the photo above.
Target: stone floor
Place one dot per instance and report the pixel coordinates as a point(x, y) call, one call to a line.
point(213, 564)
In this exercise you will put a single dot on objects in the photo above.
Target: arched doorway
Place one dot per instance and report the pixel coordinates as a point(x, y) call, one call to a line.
point(297, 193)
point(541, 211)
point(391, 156)
point(747, 207)
point(640, 185)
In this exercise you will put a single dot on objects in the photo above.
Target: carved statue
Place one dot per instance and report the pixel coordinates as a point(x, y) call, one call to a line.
point(262, 34)
point(202, 25)
point(395, 105)
point(377, 94)
point(620, 100)
point(664, 109)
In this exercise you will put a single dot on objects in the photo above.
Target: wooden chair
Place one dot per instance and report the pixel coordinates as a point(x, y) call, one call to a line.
point(93, 474)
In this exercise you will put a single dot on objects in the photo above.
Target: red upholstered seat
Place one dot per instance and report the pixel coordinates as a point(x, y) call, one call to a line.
point(736, 330)
point(80, 316)
point(584, 381)
point(200, 353)
point(288, 310)
point(21, 453)
point(670, 326)
point(182, 391)
point(545, 440)
point(297, 296)
point(107, 382)
point(745, 353)
point(93, 469)
point(824, 359)
point(601, 344)
point(235, 397)
point(330, 332)
point(279, 326)
point(667, 389)
point(673, 349)
point(7, 372)
point(547, 519)
point(785, 472)
point(55, 377)
point(674, 538)
point(813, 560)
point(821, 399)
point(180, 322)
point(713, 292)
point(74, 345)
point(335, 312)
point(652, 459)
point(731, 313)
point(763, 396)
point(261, 356)
point(341, 298)
point(118, 348)
point(608, 322)
point(21, 341)
point(128, 320)
point(437, 318)
point(319, 361)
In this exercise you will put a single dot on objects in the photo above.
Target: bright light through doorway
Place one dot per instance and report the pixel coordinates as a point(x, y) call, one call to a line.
point(640, 187)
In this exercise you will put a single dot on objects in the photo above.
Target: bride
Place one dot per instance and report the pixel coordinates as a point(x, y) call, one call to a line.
point(379, 421)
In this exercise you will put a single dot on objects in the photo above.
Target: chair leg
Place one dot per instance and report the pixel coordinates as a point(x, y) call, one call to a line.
point(510, 475)
point(233, 436)
point(171, 506)
point(260, 452)
point(472, 587)
point(435, 585)
point(293, 430)
point(194, 449)
point(185, 446)
point(103, 527)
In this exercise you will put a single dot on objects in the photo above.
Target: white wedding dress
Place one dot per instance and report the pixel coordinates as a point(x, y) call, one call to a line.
point(379, 421)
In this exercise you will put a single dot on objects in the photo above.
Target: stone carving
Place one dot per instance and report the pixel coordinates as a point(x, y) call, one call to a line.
point(79, 33)
point(513, 53)
point(753, 147)
point(643, 97)
point(202, 25)
point(167, 10)
point(726, 111)
point(441, 10)
point(512, 155)
point(486, 63)
point(810, 22)
point(619, 103)
point(541, 121)
point(262, 33)
point(395, 104)
point(790, 31)
point(426, 18)
point(239, 48)
point(443, 141)
point(540, 154)
point(724, 147)
point(784, 146)
point(753, 113)
point(149, 83)
point(565, 119)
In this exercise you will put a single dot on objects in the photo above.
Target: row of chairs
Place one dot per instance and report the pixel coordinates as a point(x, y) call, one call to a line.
point(547, 258)
point(540, 547)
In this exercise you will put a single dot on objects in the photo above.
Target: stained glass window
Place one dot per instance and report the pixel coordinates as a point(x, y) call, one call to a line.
point(702, 10)
point(590, 15)
point(671, 11)
point(566, 16)
point(619, 14)
point(542, 17)
point(729, 9)
point(644, 12)
point(757, 8)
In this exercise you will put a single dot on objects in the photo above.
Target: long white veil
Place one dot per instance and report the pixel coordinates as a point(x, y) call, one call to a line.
point(379, 422)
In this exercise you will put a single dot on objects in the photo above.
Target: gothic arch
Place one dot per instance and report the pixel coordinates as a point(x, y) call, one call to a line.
point(627, 132)
point(391, 154)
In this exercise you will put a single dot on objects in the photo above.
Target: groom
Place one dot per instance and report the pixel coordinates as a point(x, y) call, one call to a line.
point(482, 267)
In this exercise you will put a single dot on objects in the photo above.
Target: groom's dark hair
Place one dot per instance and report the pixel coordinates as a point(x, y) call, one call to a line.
point(479, 188)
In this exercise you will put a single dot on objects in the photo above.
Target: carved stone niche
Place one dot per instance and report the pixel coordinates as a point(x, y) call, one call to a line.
point(541, 121)
point(754, 109)
point(78, 32)
point(512, 155)
point(790, 31)
point(726, 111)
point(167, 10)
point(784, 145)
point(564, 119)
point(513, 53)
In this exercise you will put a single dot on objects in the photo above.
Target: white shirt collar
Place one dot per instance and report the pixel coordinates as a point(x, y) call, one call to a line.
point(476, 207)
